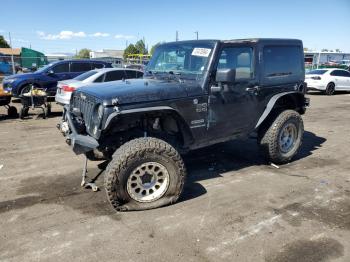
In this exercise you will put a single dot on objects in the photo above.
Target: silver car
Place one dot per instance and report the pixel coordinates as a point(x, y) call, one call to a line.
point(66, 87)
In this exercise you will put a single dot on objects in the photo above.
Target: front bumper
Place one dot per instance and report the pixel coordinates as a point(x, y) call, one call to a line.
point(79, 143)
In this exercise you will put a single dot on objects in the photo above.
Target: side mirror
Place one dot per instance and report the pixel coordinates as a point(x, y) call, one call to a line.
point(50, 72)
point(225, 76)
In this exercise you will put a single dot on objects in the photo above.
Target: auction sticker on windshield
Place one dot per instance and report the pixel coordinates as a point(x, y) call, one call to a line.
point(201, 52)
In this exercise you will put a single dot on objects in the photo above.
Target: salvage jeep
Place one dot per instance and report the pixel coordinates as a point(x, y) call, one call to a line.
point(193, 94)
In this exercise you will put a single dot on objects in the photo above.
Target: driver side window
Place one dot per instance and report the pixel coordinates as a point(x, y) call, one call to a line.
point(239, 58)
point(61, 68)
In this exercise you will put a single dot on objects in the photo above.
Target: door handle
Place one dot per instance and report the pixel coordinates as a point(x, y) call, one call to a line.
point(253, 89)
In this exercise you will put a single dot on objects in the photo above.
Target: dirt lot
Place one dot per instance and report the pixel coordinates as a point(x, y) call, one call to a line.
point(235, 207)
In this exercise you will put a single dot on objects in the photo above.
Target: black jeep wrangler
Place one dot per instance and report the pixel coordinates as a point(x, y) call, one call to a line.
point(193, 94)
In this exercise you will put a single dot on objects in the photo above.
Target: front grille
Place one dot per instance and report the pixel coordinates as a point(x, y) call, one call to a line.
point(86, 105)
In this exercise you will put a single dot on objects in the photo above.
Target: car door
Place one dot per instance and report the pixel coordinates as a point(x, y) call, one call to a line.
point(54, 74)
point(77, 68)
point(339, 79)
point(346, 76)
point(233, 111)
point(115, 75)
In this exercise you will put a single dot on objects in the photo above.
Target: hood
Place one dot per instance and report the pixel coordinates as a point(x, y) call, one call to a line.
point(136, 90)
point(22, 76)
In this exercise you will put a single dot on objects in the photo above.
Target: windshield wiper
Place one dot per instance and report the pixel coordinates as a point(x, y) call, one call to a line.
point(152, 73)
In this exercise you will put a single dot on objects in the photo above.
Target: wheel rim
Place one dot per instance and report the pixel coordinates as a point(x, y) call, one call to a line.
point(148, 182)
point(287, 137)
point(25, 89)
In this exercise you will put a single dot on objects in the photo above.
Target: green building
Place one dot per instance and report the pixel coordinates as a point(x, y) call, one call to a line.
point(31, 58)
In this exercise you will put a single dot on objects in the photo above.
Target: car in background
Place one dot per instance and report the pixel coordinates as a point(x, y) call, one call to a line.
point(140, 67)
point(48, 76)
point(65, 88)
point(328, 80)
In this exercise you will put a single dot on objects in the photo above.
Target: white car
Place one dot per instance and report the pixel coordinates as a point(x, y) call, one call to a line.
point(328, 80)
point(66, 87)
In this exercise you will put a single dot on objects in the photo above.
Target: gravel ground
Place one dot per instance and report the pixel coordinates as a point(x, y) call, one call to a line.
point(235, 206)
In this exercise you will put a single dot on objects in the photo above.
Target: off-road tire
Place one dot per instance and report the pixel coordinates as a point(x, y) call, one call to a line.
point(23, 112)
point(131, 155)
point(330, 89)
point(269, 134)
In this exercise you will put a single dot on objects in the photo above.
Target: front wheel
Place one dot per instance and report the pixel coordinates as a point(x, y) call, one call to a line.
point(144, 173)
point(12, 112)
point(281, 140)
point(25, 89)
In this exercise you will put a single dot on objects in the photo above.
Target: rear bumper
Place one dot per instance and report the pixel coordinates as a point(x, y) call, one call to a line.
point(62, 99)
point(315, 85)
point(80, 143)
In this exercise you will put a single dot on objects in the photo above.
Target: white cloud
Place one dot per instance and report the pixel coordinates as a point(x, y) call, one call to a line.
point(99, 34)
point(19, 40)
point(124, 36)
point(61, 35)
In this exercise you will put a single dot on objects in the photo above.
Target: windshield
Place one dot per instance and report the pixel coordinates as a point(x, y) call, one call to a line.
point(85, 75)
point(316, 72)
point(182, 58)
point(44, 68)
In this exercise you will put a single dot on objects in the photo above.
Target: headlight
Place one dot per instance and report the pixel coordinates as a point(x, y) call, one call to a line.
point(10, 81)
point(100, 112)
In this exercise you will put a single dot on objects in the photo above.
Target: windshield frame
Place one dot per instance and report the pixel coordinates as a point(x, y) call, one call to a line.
point(45, 68)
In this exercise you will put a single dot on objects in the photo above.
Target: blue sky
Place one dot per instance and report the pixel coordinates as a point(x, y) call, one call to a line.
point(67, 25)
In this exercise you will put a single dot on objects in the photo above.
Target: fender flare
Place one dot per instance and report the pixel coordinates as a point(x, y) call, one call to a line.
point(184, 128)
point(271, 104)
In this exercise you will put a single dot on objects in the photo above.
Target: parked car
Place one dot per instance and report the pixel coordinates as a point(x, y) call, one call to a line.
point(328, 80)
point(218, 91)
point(48, 76)
point(140, 67)
point(65, 88)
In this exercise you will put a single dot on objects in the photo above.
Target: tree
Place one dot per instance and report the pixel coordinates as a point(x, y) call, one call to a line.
point(83, 53)
point(141, 47)
point(153, 48)
point(324, 50)
point(3, 42)
point(131, 49)
point(306, 49)
point(337, 50)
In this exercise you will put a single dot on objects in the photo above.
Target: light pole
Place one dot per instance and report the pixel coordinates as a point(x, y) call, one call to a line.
point(12, 60)
point(196, 34)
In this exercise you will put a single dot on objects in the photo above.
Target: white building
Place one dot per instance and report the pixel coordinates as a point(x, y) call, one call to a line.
point(108, 55)
point(58, 56)
point(313, 57)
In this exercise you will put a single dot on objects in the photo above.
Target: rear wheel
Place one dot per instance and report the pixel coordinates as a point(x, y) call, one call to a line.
point(281, 140)
point(330, 89)
point(144, 173)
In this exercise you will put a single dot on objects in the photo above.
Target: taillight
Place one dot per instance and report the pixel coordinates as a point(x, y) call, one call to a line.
point(68, 88)
point(316, 78)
